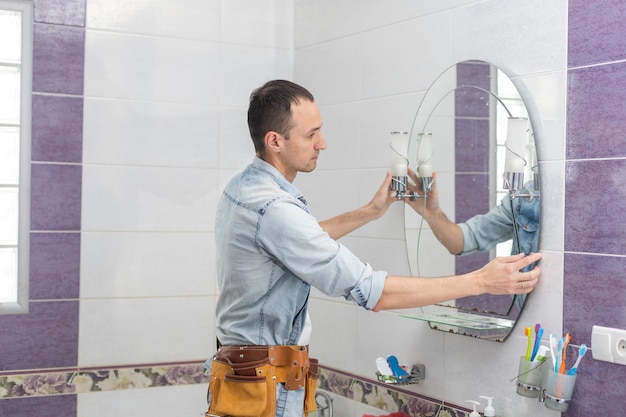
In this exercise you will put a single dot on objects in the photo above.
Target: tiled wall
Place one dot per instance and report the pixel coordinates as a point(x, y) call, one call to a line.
point(595, 189)
point(138, 114)
point(138, 118)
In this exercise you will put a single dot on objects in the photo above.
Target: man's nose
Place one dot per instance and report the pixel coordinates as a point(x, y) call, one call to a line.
point(321, 143)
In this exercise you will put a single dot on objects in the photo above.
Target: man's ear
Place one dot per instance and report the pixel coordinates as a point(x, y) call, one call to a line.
point(272, 142)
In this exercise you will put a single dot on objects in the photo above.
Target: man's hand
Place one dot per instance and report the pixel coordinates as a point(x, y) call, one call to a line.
point(424, 207)
point(502, 275)
point(383, 198)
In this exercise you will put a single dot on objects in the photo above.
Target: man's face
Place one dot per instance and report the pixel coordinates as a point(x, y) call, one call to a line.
point(300, 152)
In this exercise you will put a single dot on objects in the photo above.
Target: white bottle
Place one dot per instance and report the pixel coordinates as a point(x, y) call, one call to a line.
point(489, 410)
point(474, 404)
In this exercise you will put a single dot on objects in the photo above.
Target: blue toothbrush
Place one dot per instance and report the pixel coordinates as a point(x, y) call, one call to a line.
point(581, 353)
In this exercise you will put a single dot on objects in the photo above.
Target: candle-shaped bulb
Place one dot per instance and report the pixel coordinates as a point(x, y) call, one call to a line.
point(425, 155)
point(399, 144)
point(516, 138)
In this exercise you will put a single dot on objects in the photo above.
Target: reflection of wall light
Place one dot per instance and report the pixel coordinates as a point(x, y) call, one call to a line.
point(515, 160)
point(425, 161)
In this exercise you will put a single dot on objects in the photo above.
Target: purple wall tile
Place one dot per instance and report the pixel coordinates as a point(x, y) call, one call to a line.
point(596, 31)
point(58, 59)
point(55, 197)
point(61, 12)
point(596, 126)
point(52, 406)
point(595, 202)
point(472, 102)
point(57, 129)
point(471, 195)
point(472, 145)
point(54, 266)
point(46, 337)
point(592, 280)
point(593, 294)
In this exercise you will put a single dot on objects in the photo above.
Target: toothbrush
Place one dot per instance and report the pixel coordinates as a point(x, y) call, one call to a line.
point(581, 352)
point(553, 350)
point(539, 335)
point(528, 332)
point(566, 341)
point(559, 352)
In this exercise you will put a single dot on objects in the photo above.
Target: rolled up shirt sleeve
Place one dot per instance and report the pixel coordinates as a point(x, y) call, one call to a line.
point(296, 241)
point(369, 289)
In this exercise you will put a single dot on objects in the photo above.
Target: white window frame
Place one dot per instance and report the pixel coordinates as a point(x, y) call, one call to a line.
point(20, 305)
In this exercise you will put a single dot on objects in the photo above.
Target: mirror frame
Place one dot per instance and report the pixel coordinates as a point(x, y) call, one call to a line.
point(478, 87)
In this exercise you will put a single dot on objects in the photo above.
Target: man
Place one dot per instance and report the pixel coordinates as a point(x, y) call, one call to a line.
point(271, 250)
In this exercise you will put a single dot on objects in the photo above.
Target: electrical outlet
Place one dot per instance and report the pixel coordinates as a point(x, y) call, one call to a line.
point(608, 344)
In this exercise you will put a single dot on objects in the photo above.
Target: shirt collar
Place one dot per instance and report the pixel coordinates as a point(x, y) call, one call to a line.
point(280, 179)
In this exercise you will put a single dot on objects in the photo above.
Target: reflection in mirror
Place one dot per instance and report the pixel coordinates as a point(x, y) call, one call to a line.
point(468, 113)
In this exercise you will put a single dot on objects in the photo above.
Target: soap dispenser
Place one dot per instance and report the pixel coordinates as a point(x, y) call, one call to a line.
point(489, 410)
point(474, 403)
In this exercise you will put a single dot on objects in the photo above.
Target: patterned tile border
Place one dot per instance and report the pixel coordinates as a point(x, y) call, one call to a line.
point(392, 399)
point(77, 381)
point(388, 398)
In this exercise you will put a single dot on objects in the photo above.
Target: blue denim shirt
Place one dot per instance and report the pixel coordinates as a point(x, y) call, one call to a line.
point(485, 231)
point(270, 251)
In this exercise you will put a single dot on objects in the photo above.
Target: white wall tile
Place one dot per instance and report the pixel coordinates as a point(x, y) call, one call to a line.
point(411, 341)
point(235, 149)
point(197, 19)
point(180, 400)
point(145, 330)
point(332, 71)
point(261, 23)
point(148, 68)
point(342, 134)
point(323, 20)
point(123, 264)
point(509, 37)
point(245, 68)
point(379, 117)
point(324, 314)
point(149, 133)
point(552, 237)
point(120, 198)
point(545, 98)
point(404, 57)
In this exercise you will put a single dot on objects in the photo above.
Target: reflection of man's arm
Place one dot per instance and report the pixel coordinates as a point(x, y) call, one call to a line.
point(448, 233)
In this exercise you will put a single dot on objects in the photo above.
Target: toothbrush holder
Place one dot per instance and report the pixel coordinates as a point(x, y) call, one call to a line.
point(530, 377)
point(557, 390)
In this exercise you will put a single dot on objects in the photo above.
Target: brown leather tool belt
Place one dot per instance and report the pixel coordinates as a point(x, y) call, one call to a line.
point(243, 379)
point(292, 362)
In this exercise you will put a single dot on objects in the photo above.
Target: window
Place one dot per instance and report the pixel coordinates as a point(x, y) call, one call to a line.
point(16, 40)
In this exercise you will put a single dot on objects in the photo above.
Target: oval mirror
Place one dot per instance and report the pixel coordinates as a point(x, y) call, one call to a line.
point(466, 115)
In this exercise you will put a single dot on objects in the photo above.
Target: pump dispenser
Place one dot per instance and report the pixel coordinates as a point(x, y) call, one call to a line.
point(474, 404)
point(489, 411)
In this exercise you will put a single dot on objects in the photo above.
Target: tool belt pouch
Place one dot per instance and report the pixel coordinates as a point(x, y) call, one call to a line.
point(310, 404)
point(244, 395)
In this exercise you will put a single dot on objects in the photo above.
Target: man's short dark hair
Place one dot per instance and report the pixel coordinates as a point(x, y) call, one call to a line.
point(270, 109)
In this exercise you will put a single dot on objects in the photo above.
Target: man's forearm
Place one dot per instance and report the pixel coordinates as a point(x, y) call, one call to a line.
point(339, 226)
point(448, 233)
